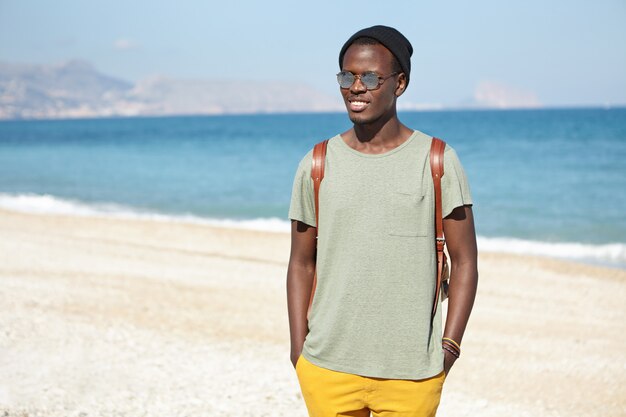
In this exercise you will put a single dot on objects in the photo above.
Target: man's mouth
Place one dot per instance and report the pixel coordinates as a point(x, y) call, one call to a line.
point(357, 105)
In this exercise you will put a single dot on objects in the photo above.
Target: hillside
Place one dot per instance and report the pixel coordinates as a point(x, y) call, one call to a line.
point(78, 89)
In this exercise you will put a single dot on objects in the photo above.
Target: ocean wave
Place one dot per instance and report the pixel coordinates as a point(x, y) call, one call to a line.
point(49, 204)
point(609, 253)
point(606, 254)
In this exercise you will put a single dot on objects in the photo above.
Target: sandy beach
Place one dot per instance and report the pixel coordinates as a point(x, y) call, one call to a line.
point(115, 317)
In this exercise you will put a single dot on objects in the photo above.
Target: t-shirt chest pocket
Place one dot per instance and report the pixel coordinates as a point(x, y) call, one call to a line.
point(407, 213)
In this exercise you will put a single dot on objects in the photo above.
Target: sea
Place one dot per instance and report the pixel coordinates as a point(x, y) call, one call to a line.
point(548, 182)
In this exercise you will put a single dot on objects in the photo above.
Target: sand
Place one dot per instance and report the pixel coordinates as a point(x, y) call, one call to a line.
point(120, 317)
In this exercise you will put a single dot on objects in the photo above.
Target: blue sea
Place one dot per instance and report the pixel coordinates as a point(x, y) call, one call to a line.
point(549, 182)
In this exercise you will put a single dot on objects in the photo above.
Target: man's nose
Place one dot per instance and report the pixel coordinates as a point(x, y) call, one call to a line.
point(357, 86)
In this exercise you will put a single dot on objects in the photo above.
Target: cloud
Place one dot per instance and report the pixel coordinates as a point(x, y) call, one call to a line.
point(495, 94)
point(124, 44)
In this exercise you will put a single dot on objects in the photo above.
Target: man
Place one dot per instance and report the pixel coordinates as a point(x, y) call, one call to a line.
point(370, 342)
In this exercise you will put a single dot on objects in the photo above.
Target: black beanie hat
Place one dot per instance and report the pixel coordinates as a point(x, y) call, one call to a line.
point(391, 39)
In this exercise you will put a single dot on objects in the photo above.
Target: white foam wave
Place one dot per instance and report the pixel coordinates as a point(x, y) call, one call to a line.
point(48, 204)
point(612, 253)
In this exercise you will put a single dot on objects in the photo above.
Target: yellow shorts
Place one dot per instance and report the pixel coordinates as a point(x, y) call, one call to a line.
point(329, 393)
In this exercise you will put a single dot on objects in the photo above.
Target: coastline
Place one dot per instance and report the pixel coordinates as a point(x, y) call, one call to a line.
point(108, 316)
point(608, 254)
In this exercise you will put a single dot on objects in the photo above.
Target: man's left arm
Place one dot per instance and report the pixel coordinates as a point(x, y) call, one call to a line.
point(461, 242)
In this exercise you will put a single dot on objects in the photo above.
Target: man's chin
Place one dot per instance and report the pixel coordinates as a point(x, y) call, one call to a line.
point(359, 118)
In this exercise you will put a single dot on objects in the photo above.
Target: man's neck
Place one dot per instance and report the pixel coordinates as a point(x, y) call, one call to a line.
point(375, 138)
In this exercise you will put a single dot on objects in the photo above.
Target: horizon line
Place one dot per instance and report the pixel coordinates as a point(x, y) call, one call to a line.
point(321, 112)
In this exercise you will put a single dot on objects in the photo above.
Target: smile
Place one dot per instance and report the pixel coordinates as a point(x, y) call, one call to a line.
point(357, 105)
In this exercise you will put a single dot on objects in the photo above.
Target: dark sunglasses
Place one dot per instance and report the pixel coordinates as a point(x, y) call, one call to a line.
point(370, 79)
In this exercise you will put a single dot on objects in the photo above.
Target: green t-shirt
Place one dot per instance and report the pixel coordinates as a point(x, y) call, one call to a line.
point(376, 258)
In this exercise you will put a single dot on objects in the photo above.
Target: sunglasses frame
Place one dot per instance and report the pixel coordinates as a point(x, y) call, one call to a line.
point(381, 79)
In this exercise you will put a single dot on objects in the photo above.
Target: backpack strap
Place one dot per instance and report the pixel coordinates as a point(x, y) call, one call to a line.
point(317, 174)
point(437, 149)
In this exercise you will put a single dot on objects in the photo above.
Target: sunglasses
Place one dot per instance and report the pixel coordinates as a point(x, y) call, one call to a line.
point(370, 79)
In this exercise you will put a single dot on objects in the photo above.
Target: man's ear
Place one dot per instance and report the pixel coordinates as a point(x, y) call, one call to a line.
point(401, 84)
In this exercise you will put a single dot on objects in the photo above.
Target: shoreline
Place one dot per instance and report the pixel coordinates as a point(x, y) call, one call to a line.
point(610, 255)
point(114, 316)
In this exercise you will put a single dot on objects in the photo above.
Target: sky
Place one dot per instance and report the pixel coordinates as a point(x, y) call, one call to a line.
point(551, 53)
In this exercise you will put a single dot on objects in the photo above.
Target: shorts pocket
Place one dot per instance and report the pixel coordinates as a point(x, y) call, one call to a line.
point(406, 214)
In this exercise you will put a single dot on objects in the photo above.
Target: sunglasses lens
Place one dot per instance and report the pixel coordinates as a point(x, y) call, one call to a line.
point(370, 80)
point(345, 79)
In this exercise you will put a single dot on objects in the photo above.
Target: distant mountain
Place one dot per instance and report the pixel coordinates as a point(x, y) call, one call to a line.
point(67, 89)
point(160, 95)
point(77, 89)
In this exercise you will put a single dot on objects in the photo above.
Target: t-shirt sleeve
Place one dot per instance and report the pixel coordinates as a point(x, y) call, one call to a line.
point(302, 207)
point(454, 185)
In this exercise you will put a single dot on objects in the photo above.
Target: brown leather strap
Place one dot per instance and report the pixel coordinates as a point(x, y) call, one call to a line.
point(437, 149)
point(317, 174)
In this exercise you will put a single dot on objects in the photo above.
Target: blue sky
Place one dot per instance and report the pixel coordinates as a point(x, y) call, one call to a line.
point(559, 53)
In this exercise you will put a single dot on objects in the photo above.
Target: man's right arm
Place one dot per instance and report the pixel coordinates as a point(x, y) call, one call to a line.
point(299, 283)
